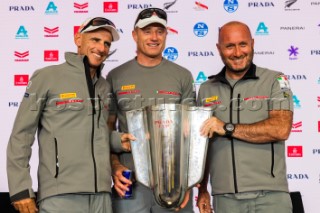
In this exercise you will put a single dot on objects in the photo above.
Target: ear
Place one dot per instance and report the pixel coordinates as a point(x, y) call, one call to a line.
point(134, 35)
point(77, 39)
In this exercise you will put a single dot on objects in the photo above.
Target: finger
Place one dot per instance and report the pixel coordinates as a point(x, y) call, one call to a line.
point(177, 209)
point(124, 180)
point(32, 207)
point(185, 200)
point(132, 137)
point(119, 191)
point(210, 134)
point(23, 208)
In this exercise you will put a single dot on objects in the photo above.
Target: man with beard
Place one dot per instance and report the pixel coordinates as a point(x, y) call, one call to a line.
point(253, 113)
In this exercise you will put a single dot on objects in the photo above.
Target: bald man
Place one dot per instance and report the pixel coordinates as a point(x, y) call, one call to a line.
point(252, 119)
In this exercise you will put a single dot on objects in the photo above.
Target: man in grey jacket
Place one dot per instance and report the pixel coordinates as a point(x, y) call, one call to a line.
point(67, 105)
point(252, 119)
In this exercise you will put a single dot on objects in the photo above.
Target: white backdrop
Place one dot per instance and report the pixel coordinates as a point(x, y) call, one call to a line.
point(37, 33)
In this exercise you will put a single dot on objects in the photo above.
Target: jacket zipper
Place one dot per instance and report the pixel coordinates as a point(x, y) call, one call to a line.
point(232, 144)
point(57, 157)
point(91, 90)
point(99, 113)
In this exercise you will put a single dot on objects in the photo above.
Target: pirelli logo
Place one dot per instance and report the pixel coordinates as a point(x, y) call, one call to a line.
point(211, 99)
point(68, 95)
point(128, 87)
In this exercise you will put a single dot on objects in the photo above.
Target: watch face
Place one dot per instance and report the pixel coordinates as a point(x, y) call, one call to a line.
point(230, 127)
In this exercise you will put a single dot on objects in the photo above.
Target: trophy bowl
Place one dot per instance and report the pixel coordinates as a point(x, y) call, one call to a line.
point(169, 153)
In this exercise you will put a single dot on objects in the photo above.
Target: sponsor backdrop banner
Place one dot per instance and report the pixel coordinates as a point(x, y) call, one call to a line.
point(37, 33)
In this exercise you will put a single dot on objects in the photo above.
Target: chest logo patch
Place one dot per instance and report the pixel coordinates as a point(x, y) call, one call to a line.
point(68, 95)
point(212, 98)
point(128, 87)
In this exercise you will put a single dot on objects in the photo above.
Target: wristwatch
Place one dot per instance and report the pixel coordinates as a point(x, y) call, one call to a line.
point(229, 129)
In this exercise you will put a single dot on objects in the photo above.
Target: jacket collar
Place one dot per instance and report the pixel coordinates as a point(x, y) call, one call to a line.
point(87, 66)
point(81, 62)
point(221, 76)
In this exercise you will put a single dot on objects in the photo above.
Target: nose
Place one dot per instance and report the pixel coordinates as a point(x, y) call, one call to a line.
point(237, 51)
point(154, 35)
point(101, 47)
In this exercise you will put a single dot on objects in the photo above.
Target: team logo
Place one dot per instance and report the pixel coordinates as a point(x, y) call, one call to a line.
point(51, 55)
point(81, 8)
point(296, 102)
point(172, 31)
point(200, 29)
point(200, 6)
point(168, 5)
point(138, 6)
point(22, 33)
point(297, 176)
point(294, 151)
point(315, 52)
point(21, 56)
point(13, 104)
point(21, 8)
point(200, 78)
point(293, 52)
point(21, 80)
point(230, 5)
point(296, 127)
point(260, 4)
point(110, 7)
point(170, 53)
point(262, 29)
point(52, 9)
point(288, 5)
point(51, 32)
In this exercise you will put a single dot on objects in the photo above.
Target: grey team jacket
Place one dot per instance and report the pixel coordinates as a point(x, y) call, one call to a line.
point(235, 165)
point(73, 139)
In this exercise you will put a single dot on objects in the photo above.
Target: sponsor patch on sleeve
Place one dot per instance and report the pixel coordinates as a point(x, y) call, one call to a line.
point(283, 82)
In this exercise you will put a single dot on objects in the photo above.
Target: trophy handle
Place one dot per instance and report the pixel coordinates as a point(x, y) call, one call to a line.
point(198, 144)
point(140, 148)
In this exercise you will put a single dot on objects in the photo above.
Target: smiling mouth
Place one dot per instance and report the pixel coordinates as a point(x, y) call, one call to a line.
point(153, 45)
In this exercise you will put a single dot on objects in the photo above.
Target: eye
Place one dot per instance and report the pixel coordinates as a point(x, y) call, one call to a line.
point(107, 44)
point(95, 39)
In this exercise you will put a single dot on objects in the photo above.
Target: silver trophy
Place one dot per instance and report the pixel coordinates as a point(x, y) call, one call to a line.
point(169, 153)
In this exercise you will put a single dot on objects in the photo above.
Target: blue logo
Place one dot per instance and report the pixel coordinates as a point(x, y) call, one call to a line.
point(201, 78)
point(170, 53)
point(51, 9)
point(200, 29)
point(231, 5)
point(293, 53)
point(22, 33)
point(262, 29)
point(319, 80)
point(296, 102)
